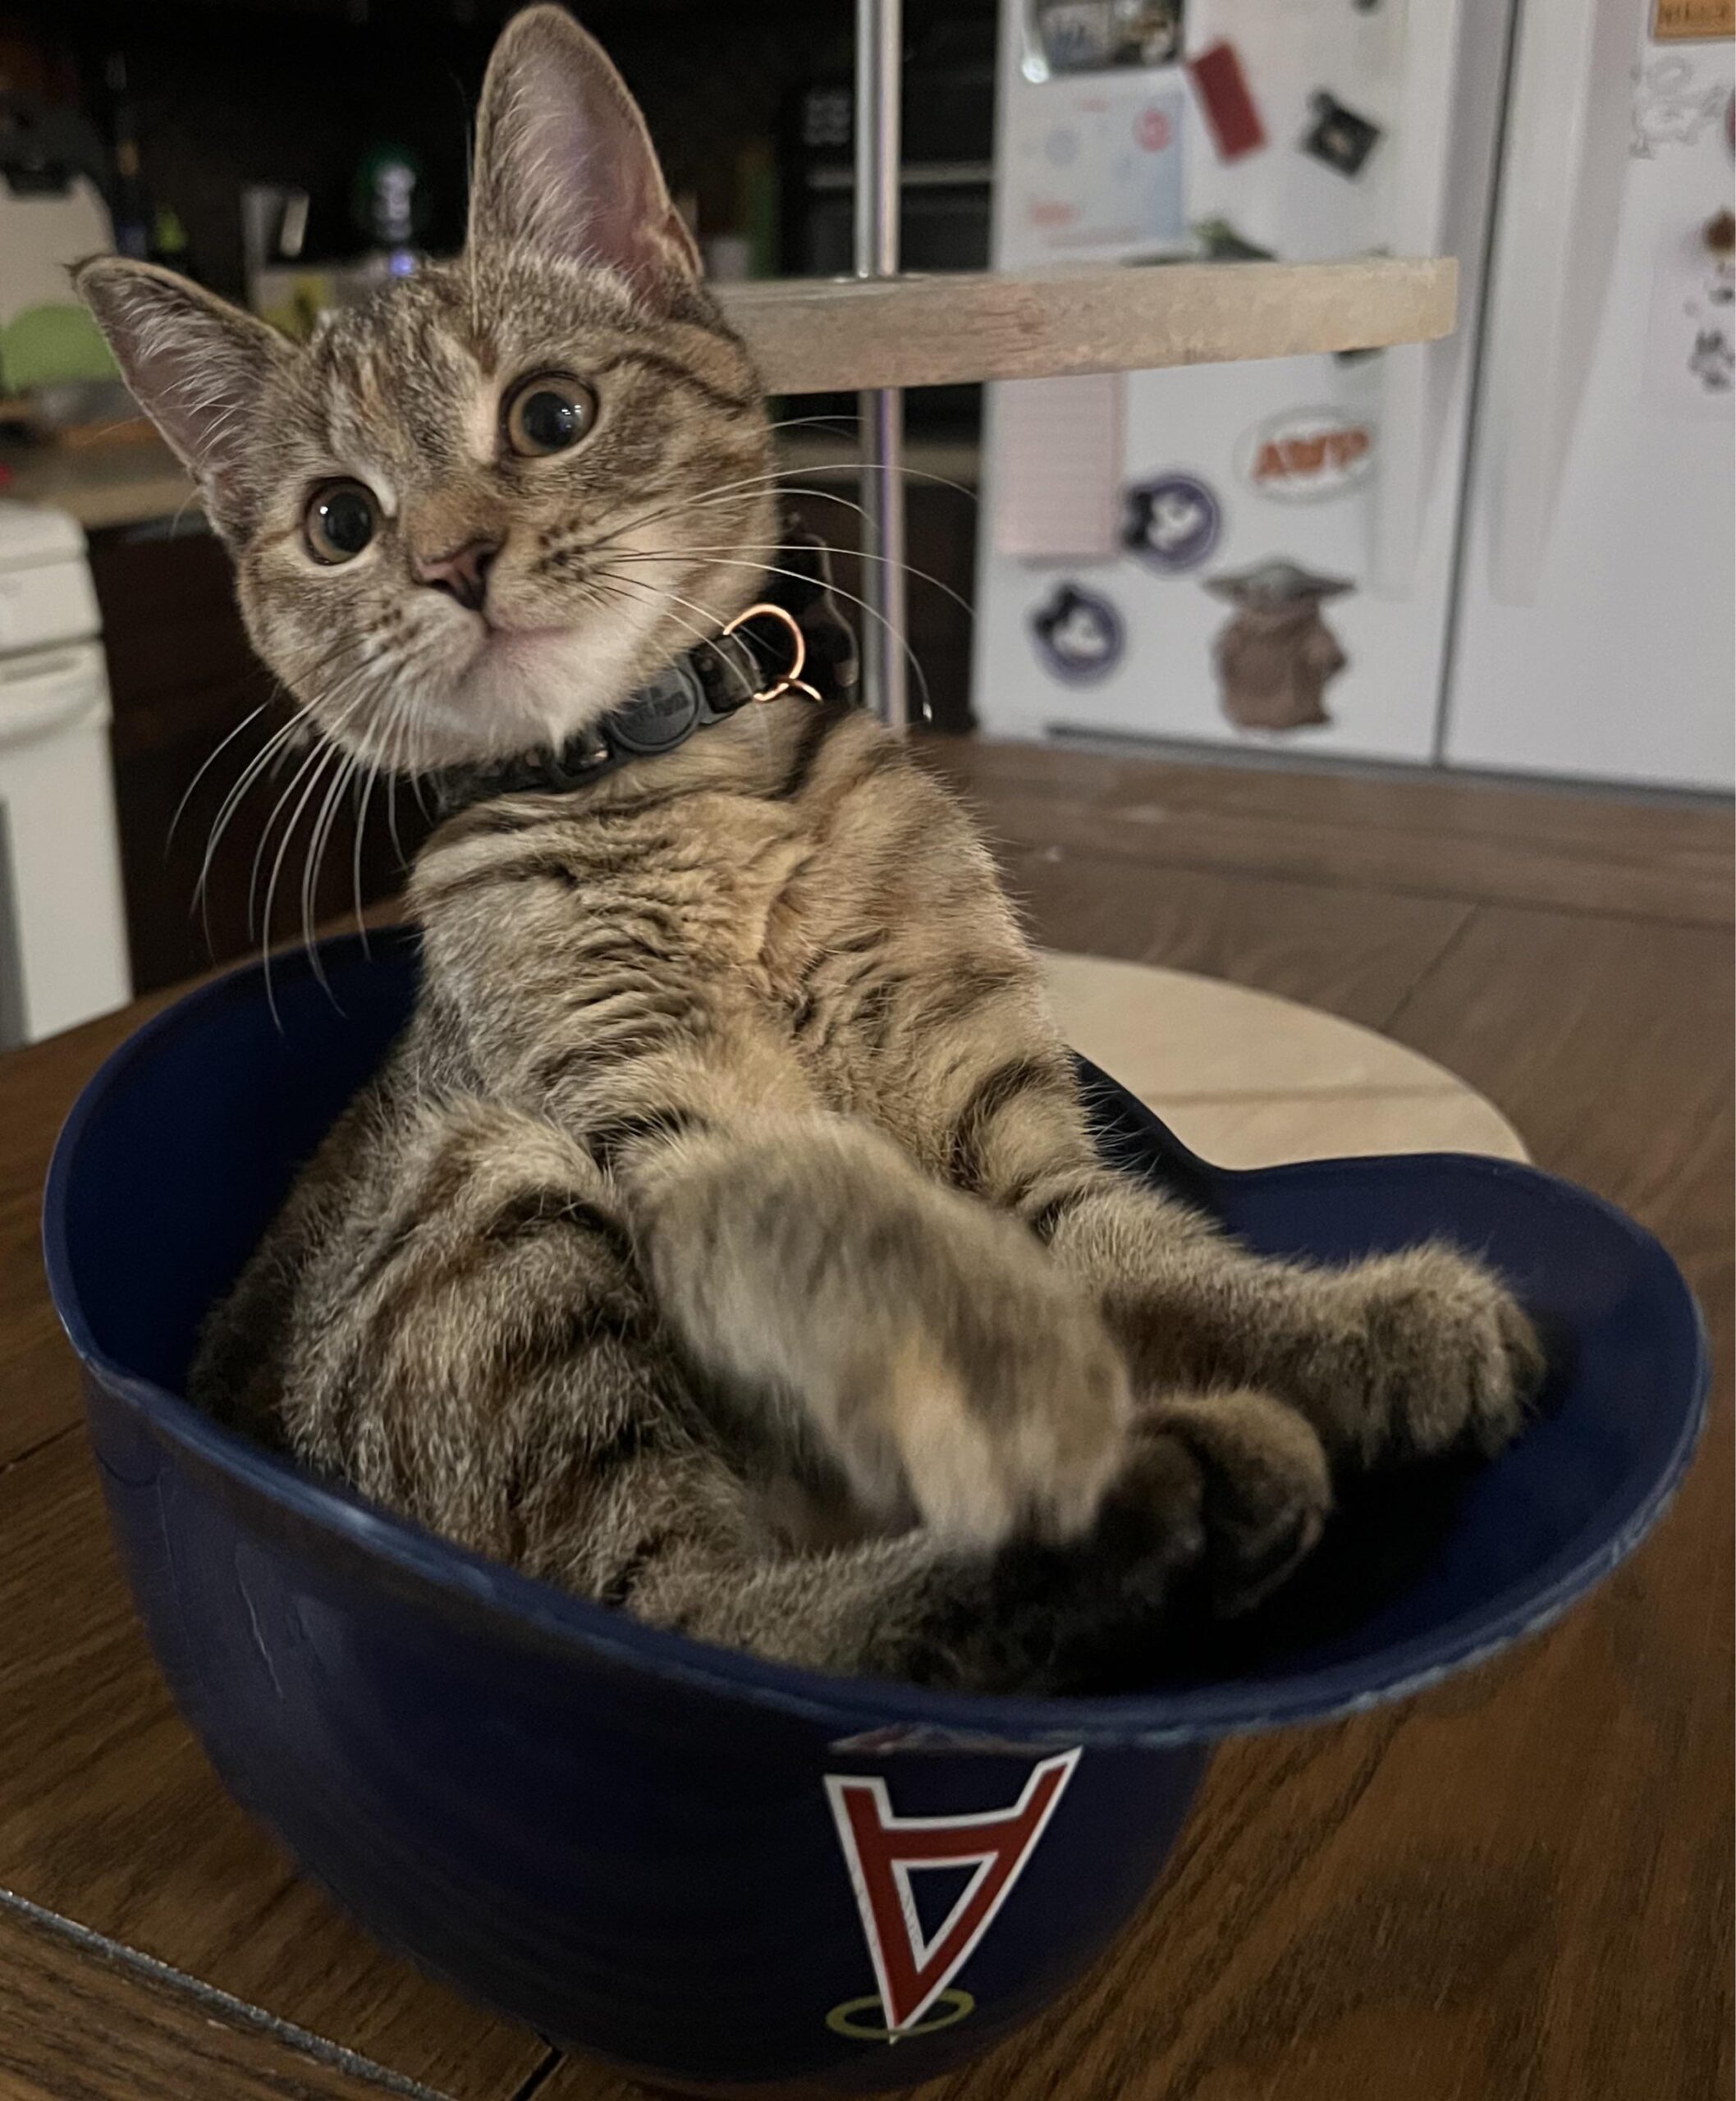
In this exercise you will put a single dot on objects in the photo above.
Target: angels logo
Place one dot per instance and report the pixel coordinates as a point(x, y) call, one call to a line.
point(883, 1850)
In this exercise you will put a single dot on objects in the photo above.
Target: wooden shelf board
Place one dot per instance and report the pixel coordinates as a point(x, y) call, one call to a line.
point(835, 335)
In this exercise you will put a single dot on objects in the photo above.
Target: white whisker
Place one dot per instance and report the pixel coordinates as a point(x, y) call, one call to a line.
point(325, 755)
point(782, 547)
point(216, 754)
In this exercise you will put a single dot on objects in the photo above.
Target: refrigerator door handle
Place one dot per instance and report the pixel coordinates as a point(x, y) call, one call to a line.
point(1417, 378)
point(1567, 137)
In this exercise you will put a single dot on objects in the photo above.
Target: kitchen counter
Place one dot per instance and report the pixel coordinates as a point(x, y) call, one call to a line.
point(100, 485)
point(1516, 1882)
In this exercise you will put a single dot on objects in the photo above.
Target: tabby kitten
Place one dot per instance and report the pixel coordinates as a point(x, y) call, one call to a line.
point(723, 1239)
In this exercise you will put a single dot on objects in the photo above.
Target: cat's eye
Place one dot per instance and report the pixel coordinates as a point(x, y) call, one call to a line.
point(548, 413)
point(342, 518)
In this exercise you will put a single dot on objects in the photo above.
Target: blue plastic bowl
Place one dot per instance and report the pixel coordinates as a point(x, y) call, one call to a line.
point(627, 1839)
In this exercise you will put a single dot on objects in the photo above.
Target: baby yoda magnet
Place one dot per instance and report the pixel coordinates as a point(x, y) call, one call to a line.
point(1275, 656)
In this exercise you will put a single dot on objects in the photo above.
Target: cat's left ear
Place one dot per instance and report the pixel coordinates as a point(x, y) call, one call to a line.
point(564, 162)
point(197, 366)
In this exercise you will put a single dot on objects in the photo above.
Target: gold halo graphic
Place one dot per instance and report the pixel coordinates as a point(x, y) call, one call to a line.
point(847, 2019)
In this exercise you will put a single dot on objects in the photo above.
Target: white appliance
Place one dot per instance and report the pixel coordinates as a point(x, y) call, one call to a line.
point(62, 929)
point(1512, 550)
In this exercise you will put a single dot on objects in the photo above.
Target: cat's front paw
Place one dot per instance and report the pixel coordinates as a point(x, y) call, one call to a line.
point(1446, 1355)
point(1009, 1407)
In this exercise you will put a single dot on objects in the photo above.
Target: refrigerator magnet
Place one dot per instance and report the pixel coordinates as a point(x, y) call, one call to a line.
point(1675, 99)
point(1089, 36)
point(1717, 238)
point(1231, 115)
point(1306, 455)
point(1101, 177)
point(1276, 655)
point(1173, 523)
point(1079, 634)
point(1338, 135)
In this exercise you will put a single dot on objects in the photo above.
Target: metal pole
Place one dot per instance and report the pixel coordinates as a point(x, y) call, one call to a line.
point(879, 108)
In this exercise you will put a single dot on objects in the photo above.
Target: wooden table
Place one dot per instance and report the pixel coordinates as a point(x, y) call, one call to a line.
point(1518, 1886)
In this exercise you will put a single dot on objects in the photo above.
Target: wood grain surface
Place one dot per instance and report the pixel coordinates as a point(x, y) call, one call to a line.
point(1516, 1889)
point(833, 335)
point(39, 1381)
point(80, 2015)
point(1402, 834)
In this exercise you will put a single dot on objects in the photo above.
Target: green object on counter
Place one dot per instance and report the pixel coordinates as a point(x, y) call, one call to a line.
point(47, 345)
point(169, 244)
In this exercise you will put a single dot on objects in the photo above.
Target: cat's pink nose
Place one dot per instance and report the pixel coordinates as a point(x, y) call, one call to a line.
point(464, 572)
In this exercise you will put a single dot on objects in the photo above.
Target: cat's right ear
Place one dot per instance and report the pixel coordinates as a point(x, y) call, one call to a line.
point(196, 365)
point(564, 162)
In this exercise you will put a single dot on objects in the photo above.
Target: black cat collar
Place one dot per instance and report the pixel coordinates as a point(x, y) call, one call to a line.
point(791, 640)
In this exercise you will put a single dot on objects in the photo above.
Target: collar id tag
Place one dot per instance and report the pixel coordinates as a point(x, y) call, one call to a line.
point(662, 714)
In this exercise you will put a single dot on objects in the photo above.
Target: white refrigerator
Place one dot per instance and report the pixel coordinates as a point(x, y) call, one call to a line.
point(1510, 551)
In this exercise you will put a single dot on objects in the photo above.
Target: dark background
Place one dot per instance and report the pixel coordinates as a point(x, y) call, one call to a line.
point(229, 92)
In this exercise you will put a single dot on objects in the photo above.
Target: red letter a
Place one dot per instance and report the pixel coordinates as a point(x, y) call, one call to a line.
point(883, 1851)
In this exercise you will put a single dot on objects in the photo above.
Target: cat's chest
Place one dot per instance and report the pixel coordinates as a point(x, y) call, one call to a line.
point(712, 897)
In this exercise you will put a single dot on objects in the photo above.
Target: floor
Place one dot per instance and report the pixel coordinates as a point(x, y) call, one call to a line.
point(1516, 1887)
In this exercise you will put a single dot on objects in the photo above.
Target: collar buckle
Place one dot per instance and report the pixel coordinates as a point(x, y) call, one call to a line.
point(791, 680)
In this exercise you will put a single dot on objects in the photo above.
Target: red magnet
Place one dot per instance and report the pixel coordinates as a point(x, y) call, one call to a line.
point(1229, 110)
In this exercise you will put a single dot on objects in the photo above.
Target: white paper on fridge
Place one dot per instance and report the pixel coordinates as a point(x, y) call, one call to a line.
point(1100, 178)
point(1057, 452)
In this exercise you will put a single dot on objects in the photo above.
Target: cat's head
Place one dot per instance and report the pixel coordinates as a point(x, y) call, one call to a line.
point(470, 517)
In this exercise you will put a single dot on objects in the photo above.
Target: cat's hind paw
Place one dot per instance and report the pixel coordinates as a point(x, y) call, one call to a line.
point(1260, 1492)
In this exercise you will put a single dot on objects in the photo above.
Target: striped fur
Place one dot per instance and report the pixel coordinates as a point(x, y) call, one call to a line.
point(724, 1240)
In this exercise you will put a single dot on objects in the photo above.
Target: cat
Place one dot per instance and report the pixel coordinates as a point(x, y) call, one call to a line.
point(724, 1239)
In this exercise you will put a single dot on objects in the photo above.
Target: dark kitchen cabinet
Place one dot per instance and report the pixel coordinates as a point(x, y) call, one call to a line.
point(183, 677)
